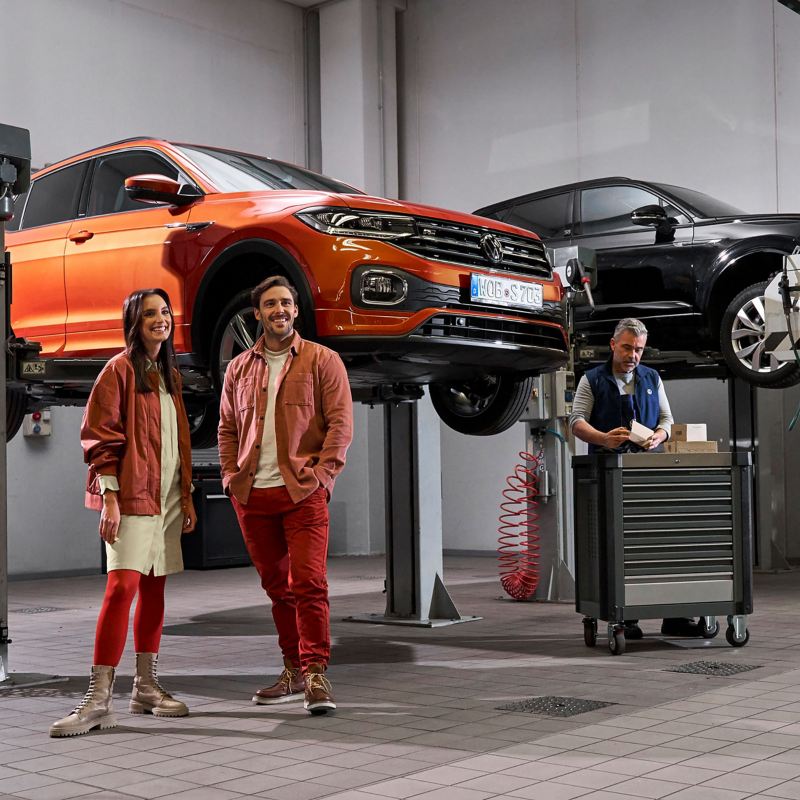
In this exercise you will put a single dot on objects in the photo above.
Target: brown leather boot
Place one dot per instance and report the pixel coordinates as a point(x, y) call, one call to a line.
point(149, 695)
point(319, 695)
point(289, 686)
point(95, 710)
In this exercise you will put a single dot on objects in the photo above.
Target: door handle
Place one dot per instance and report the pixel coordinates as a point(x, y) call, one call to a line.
point(80, 236)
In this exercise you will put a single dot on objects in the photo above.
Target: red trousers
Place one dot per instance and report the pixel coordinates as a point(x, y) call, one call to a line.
point(288, 544)
point(112, 624)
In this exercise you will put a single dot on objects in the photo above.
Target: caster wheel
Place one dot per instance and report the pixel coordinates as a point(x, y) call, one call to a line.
point(616, 643)
point(730, 635)
point(590, 632)
point(709, 633)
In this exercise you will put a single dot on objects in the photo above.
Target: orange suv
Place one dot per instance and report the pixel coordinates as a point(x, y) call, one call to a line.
point(409, 295)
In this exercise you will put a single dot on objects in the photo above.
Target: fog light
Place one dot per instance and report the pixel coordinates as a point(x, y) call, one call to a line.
point(379, 287)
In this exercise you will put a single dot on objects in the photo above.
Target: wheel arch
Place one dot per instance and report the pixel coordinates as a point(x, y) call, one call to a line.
point(742, 271)
point(241, 266)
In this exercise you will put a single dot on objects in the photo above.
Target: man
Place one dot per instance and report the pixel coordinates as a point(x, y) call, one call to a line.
point(607, 400)
point(286, 421)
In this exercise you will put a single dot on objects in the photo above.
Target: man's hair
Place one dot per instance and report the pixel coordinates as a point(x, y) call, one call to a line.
point(635, 326)
point(267, 284)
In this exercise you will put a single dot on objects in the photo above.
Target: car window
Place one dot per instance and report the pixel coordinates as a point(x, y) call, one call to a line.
point(54, 197)
point(608, 208)
point(108, 195)
point(549, 217)
point(19, 204)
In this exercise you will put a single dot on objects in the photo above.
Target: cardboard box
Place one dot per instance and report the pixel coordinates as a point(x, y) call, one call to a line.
point(689, 432)
point(690, 447)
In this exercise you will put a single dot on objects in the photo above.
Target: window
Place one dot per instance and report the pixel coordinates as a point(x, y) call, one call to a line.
point(19, 204)
point(54, 197)
point(108, 194)
point(549, 217)
point(608, 209)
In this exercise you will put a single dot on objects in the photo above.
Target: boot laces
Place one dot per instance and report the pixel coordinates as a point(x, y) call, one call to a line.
point(316, 681)
point(88, 696)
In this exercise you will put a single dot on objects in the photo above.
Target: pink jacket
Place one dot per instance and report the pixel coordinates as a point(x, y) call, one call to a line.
point(313, 419)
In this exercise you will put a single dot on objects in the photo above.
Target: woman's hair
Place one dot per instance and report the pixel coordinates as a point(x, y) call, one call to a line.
point(132, 326)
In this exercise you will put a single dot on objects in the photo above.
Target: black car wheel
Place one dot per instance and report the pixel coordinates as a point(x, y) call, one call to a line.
point(483, 406)
point(15, 412)
point(203, 423)
point(237, 331)
point(742, 340)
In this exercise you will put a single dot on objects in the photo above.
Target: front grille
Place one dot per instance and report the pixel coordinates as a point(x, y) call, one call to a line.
point(494, 331)
point(455, 243)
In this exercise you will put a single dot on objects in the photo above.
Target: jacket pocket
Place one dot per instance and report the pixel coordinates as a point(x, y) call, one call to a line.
point(298, 390)
point(245, 394)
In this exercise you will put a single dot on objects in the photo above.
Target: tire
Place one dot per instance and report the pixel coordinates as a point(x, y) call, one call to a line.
point(16, 405)
point(484, 406)
point(203, 422)
point(742, 342)
point(616, 643)
point(709, 633)
point(237, 330)
point(730, 635)
point(590, 632)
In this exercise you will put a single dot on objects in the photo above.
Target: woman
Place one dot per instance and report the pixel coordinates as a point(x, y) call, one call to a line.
point(135, 438)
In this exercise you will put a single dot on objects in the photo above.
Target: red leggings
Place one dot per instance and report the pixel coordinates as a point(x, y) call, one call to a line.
point(112, 624)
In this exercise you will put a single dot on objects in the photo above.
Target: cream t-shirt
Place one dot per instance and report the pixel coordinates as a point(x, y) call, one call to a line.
point(268, 474)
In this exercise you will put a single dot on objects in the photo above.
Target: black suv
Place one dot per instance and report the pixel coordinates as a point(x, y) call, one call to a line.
point(693, 268)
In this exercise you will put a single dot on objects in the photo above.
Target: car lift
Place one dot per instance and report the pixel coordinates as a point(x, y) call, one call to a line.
point(415, 590)
point(15, 173)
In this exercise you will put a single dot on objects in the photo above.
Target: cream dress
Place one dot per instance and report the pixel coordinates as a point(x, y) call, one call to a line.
point(154, 542)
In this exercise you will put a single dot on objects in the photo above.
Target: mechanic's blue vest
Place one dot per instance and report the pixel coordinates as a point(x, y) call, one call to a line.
point(607, 410)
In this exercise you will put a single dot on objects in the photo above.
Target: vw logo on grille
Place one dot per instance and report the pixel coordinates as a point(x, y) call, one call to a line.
point(490, 245)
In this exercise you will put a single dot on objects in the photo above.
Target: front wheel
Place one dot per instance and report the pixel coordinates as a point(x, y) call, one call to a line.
point(236, 331)
point(482, 406)
point(742, 339)
point(203, 423)
point(16, 403)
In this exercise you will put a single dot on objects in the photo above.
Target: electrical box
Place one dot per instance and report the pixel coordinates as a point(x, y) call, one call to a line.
point(37, 424)
point(551, 397)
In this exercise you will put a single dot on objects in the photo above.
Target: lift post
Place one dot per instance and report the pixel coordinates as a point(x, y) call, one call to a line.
point(415, 590)
point(15, 174)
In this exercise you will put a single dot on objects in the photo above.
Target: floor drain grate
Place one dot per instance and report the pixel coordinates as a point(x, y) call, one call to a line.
point(720, 668)
point(555, 706)
point(37, 610)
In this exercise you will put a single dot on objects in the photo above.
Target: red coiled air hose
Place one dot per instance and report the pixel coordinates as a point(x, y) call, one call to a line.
point(518, 548)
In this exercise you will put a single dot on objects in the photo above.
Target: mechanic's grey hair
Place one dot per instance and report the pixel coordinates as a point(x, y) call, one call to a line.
point(635, 326)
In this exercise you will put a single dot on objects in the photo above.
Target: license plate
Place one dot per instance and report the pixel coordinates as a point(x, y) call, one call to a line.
point(505, 292)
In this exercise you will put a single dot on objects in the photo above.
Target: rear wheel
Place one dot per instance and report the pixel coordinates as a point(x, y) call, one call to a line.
point(16, 403)
point(742, 339)
point(482, 406)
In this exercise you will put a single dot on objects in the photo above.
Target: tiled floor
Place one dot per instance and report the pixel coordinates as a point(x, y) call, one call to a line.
point(417, 707)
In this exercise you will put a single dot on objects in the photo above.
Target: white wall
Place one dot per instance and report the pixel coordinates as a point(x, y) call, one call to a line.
point(538, 93)
point(85, 72)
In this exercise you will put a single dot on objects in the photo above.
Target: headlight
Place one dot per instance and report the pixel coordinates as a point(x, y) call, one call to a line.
point(382, 288)
point(347, 222)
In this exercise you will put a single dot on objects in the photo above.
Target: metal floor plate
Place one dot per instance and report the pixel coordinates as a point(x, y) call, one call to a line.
point(555, 706)
point(720, 668)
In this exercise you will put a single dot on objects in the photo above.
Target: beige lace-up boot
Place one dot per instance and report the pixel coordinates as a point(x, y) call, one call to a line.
point(95, 710)
point(149, 695)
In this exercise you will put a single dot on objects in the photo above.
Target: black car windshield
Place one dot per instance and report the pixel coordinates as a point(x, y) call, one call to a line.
point(702, 205)
point(241, 172)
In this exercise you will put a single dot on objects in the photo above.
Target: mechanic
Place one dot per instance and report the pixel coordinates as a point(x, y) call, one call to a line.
point(135, 438)
point(608, 399)
point(286, 421)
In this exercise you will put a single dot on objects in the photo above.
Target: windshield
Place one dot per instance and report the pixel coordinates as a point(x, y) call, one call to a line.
point(242, 172)
point(703, 205)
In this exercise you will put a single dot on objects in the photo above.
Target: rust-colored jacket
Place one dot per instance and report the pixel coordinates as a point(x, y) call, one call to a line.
point(313, 419)
point(121, 436)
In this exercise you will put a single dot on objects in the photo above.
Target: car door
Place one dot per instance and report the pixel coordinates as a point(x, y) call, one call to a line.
point(641, 271)
point(117, 246)
point(37, 245)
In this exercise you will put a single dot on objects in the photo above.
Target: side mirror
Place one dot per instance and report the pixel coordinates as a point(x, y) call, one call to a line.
point(159, 189)
point(653, 215)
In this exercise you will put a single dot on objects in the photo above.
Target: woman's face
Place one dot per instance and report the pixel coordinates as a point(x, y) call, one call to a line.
point(156, 323)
